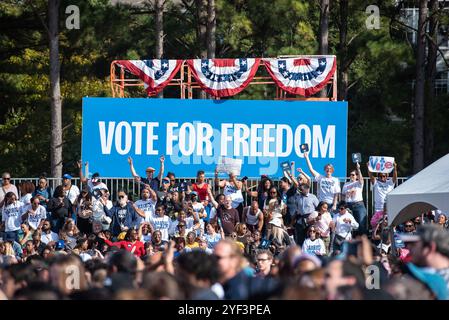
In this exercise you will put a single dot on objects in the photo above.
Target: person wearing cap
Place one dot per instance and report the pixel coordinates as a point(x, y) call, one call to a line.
point(328, 186)
point(306, 203)
point(163, 191)
point(94, 184)
point(71, 191)
point(7, 186)
point(429, 248)
point(153, 182)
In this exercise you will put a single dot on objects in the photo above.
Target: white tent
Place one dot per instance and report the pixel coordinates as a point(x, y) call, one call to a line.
point(427, 190)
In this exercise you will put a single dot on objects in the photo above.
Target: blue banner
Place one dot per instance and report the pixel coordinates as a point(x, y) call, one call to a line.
point(193, 134)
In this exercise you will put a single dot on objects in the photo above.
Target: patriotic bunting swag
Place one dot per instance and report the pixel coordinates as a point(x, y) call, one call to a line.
point(155, 74)
point(223, 77)
point(303, 76)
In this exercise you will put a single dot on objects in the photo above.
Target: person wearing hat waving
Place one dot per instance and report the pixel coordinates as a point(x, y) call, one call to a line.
point(150, 180)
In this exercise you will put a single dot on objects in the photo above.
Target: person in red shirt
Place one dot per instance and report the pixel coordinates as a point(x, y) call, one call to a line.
point(200, 186)
point(131, 243)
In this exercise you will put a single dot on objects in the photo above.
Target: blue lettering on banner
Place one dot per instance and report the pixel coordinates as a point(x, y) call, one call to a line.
point(194, 134)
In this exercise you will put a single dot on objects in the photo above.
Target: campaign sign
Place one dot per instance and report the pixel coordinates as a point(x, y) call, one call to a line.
point(286, 166)
point(194, 134)
point(356, 157)
point(229, 165)
point(381, 164)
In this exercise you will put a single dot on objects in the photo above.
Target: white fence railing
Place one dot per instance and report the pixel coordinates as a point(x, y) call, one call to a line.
point(130, 186)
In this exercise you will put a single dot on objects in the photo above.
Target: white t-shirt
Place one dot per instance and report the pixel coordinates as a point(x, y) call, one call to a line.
point(342, 228)
point(46, 238)
point(147, 206)
point(98, 209)
point(381, 189)
point(197, 207)
point(12, 215)
point(322, 225)
point(72, 193)
point(26, 199)
point(315, 247)
point(162, 224)
point(353, 191)
point(39, 214)
point(235, 194)
point(145, 237)
point(327, 187)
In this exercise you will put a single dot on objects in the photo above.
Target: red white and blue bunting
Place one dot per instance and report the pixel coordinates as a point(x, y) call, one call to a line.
point(301, 76)
point(223, 77)
point(155, 73)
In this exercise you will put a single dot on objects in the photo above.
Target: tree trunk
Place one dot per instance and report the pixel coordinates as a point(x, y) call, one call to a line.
point(432, 52)
point(201, 9)
point(211, 29)
point(418, 133)
point(159, 26)
point(55, 91)
point(324, 34)
point(343, 49)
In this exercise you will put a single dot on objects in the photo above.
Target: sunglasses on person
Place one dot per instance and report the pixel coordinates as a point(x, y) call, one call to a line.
point(341, 208)
point(409, 225)
point(121, 197)
point(6, 178)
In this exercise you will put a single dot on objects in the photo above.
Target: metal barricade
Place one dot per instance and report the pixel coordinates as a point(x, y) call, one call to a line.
point(130, 186)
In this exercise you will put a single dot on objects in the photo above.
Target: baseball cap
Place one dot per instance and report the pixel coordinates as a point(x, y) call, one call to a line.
point(433, 281)
point(150, 169)
point(60, 245)
point(193, 193)
point(67, 176)
point(95, 177)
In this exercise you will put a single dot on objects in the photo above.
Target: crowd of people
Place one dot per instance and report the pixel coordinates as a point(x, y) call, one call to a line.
point(198, 241)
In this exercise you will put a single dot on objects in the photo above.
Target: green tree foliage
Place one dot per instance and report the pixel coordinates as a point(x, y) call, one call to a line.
point(380, 65)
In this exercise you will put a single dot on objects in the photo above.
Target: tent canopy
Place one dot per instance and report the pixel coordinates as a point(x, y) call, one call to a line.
point(427, 190)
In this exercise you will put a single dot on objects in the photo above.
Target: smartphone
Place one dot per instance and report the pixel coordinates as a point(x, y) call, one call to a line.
point(304, 147)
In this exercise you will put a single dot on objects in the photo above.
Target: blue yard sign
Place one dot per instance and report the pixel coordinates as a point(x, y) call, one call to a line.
point(194, 134)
